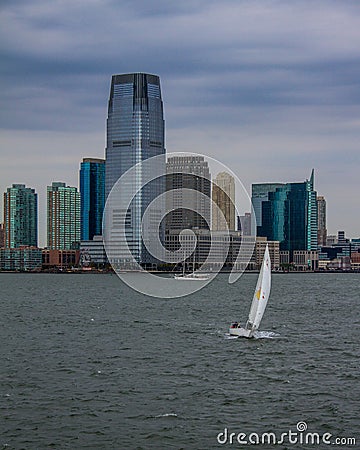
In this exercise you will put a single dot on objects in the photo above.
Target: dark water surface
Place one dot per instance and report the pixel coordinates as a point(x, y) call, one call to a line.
point(88, 363)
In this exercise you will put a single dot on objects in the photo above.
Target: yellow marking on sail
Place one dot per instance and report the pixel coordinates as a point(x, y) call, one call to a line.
point(258, 294)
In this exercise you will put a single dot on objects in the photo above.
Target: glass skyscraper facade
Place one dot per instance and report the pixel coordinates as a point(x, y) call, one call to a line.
point(260, 194)
point(20, 217)
point(63, 216)
point(92, 192)
point(289, 215)
point(135, 132)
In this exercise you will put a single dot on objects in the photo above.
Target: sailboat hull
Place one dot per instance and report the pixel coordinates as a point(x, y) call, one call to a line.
point(192, 277)
point(241, 332)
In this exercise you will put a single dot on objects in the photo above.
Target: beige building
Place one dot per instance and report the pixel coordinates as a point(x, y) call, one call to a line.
point(274, 251)
point(223, 195)
point(306, 260)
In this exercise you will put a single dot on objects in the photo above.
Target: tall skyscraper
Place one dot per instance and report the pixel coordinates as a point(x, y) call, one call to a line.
point(185, 176)
point(289, 216)
point(322, 231)
point(135, 132)
point(63, 216)
point(92, 191)
point(135, 123)
point(20, 216)
point(223, 195)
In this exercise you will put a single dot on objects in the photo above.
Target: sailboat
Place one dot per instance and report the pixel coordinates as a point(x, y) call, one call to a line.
point(260, 299)
point(194, 276)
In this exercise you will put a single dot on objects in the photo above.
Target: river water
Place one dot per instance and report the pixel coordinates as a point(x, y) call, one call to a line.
point(89, 363)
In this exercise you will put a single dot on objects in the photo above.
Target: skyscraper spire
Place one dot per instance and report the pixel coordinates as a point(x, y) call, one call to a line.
point(311, 181)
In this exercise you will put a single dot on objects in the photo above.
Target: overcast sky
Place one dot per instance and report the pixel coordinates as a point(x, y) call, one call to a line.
point(270, 88)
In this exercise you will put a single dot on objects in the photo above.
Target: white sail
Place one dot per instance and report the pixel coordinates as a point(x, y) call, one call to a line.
point(261, 294)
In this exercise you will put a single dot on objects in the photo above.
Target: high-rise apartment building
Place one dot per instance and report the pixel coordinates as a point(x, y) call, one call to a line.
point(188, 193)
point(289, 216)
point(20, 216)
point(322, 231)
point(92, 192)
point(135, 133)
point(223, 195)
point(63, 216)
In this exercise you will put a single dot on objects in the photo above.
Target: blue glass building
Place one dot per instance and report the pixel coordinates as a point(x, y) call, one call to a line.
point(135, 132)
point(92, 192)
point(289, 215)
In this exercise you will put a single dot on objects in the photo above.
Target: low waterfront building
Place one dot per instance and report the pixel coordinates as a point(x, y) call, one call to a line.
point(355, 245)
point(22, 259)
point(92, 253)
point(343, 263)
point(274, 251)
point(305, 260)
point(284, 256)
point(323, 264)
point(60, 259)
point(355, 257)
point(215, 249)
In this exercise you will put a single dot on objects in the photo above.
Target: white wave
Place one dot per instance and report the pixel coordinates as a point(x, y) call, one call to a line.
point(265, 335)
point(229, 336)
point(257, 335)
point(166, 415)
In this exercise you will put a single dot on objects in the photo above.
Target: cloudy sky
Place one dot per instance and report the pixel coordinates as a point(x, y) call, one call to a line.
point(271, 88)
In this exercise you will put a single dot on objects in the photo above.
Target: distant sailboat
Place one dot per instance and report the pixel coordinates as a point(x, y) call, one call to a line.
point(194, 276)
point(260, 299)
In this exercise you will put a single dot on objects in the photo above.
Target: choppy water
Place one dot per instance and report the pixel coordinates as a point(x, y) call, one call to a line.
point(88, 363)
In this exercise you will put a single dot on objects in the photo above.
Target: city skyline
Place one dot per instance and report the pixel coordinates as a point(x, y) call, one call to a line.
point(259, 194)
point(272, 95)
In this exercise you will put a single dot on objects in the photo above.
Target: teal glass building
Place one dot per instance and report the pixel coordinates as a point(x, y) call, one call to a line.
point(20, 217)
point(135, 133)
point(289, 215)
point(92, 192)
point(63, 216)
